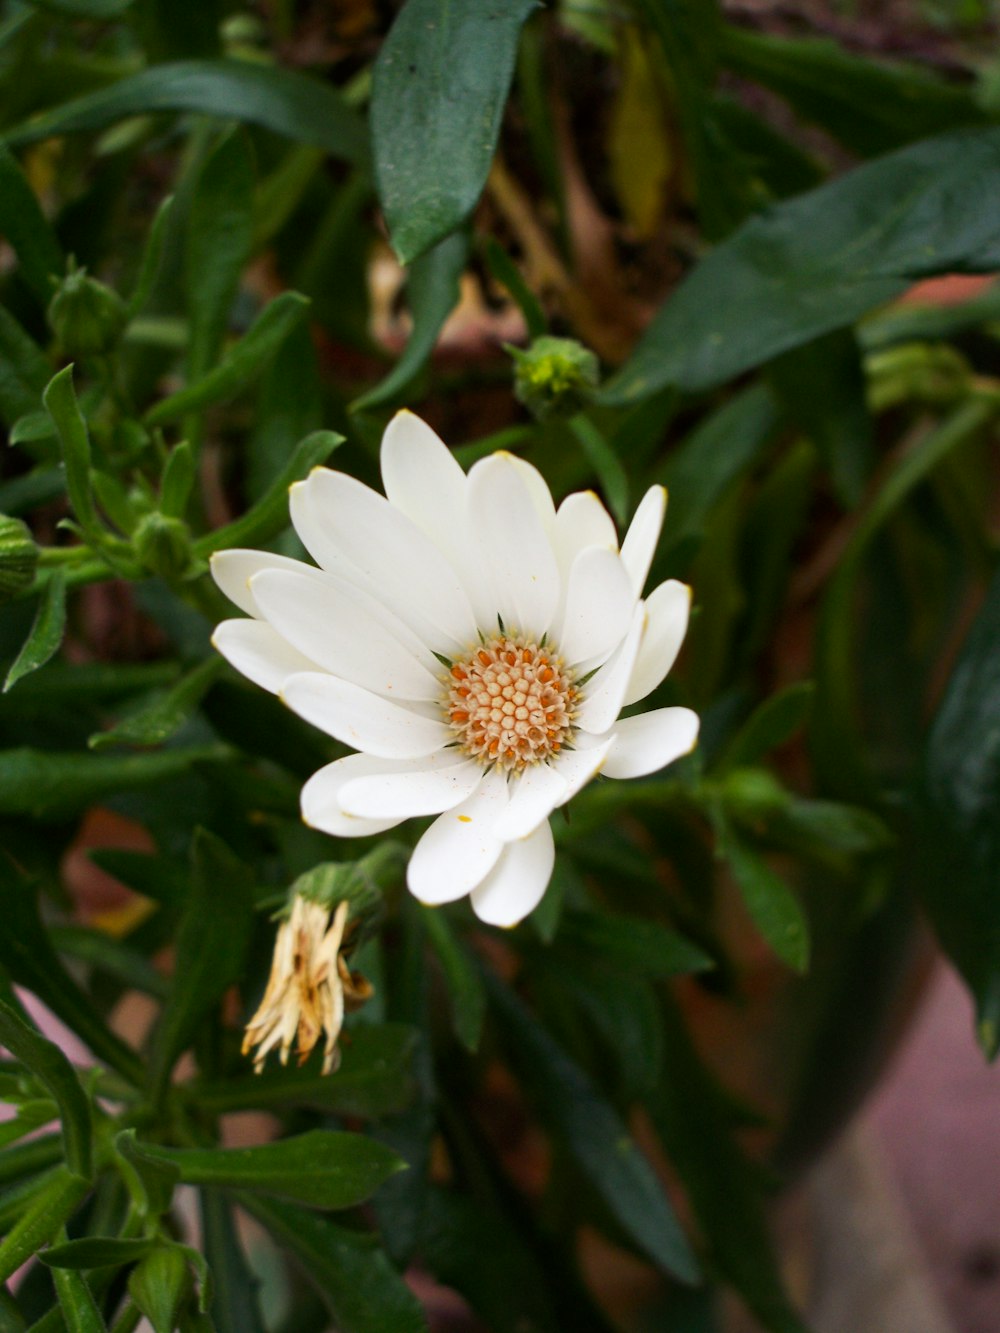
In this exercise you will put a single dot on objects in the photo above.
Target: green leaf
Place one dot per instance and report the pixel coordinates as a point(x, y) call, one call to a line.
point(608, 468)
point(46, 633)
point(47, 784)
point(96, 1252)
point(24, 373)
point(771, 724)
point(269, 515)
point(465, 985)
point(101, 951)
point(955, 834)
point(11, 1319)
point(632, 945)
point(503, 268)
point(595, 1135)
point(322, 1168)
point(374, 1079)
point(362, 1290)
point(240, 364)
point(157, 721)
point(76, 1301)
point(151, 257)
point(771, 903)
point(280, 100)
point(234, 1308)
point(27, 230)
point(433, 292)
point(219, 236)
point(869, 106)
point(210, 947)
point(98, 10)
point(691, 1115)
point(150, 1180)
point(820, 261)
point(438, 93)
point(160, 1286)
point(60, 1197)
point(179, 475)
point(74, 440)
point(47, 1062)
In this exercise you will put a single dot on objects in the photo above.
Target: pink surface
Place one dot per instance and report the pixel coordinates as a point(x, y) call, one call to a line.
point(938, 1119)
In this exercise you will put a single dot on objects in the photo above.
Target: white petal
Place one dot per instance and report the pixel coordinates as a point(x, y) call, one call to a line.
point(667, 611)
point(340, 520)
point(363, 720)
point(533, 796)
point(604, 693)
point(334, 628)
point(259, 652)
point(578, 767)
point(650, 741)
point(599, 606)
point(538, 489)
point(642, 536)
point(517, 553)
point(320, 799)
point(582, 521)
point(515, 885)
point(461, 847)
point(438, 785)
point(233, 570)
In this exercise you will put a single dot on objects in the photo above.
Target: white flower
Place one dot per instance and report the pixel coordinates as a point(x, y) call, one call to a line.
point(474, 645)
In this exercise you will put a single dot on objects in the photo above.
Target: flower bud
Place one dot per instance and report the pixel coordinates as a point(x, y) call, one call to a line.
point(163, 546)
point(160, 1285)
point(86, 316)
point(554, 376)
point(18, 557)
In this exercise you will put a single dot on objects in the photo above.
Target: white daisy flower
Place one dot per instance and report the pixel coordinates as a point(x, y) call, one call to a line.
point(475, 646)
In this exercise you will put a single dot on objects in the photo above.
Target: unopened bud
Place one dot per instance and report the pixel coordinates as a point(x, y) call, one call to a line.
point(554, 376)
point(163, 546)
point(86, 316)
point(18, 557)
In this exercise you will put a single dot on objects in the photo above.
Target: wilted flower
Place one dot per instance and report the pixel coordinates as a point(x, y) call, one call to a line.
point(474, 645)
point(310, 987)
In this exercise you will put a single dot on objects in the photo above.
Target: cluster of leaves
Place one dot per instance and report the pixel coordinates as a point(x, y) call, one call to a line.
point(194, 201)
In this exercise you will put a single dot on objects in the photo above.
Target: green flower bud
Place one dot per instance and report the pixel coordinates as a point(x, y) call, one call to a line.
point(86, 316)
point(554, 376)
point(160, 1284)
point(18, 557)
point(163, 546)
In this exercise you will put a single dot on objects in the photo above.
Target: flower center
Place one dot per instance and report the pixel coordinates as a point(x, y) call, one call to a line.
point(510, 702)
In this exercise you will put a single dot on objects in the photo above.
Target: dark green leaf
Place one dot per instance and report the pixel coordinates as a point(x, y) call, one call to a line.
point(219, 236)
point(47, 1062)
point(820, 261)
point(465, 985)
point(46, 633)
point(771, 903)
point(11, 1318)
point(27, 230)
point(691, 1116)
point(433, 293)
point(596, 1136)
point(440, 85)
point(47, 784)
point(74, 440)
point(234, 1306)
point(847, 829)
point(96, 1252)
point(608, 468)
point(159, 720)
point(160, 1285)
point(323, 1168)
point(61, 1195)
point(281, 100)
point(240, 364)
point(955, 842)
point(151, 257)
point(99, 10)
point(772, 723)
point(24, 373)
point(150, 1180)
point(106, 954)
point(633, 945)
point(211, 943)
point(269, 515)
point(153, 876)
point(362, 1290)
point(506, 272)
point(76, 1301)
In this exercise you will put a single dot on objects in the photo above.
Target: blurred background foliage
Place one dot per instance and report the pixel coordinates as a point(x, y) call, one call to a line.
point(235, 238)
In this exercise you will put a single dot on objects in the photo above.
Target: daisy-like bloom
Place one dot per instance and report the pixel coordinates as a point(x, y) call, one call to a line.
point(309, 990)
point(475, 646)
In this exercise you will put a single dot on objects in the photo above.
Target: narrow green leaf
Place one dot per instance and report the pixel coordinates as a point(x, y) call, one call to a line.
point(506, 272)
point(772, 723)
point(465, 985)
point(269, 515)
point(46, 633)
point(322, 1168)
point(98, 10)
point(74, 441)
point(160, 1286)
point(433, 292)
point(11, 1318)
point(179, 473)
point(157, 721)
point(607, 467)
point(48, 784)
point(362, 1290)
point(820, 261)
point(76, 1301)
point(154, 876)
point(57, 1201)
point(151, 257)
point(771, 903)
point(210, 947)
point(438, 94)
point(27, 230)
point(281, 100)
point(219, 236)
point(595, 1135)
point(150, 1180)
point(47, 1062)
point(101, 951)
point(239, 366)
point(234, 1308)
point(96, 1252)
point(633, 945)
